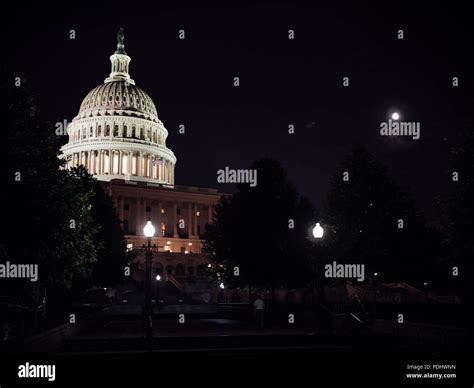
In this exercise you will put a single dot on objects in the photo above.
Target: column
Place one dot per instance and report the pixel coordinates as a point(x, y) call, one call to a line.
point(119, 162)
point(159, 218)
point(140, 164)
point(210, 212)
point(172, 174)
point(92, 162)
point(144, 214)
point(190, 220)
point(138, 221)
point(120, 209)
point(175, 222)
point(111, 159)
point(130, 163)
point(150, 167)
point(100, 170)
point(195, 220)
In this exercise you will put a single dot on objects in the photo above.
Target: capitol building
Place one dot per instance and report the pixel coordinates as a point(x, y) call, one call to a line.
point(118, 136)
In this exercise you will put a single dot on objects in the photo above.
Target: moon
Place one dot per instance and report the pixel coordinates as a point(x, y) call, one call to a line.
point(395, 116)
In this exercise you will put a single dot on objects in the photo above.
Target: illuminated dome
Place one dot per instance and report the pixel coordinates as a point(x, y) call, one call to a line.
point(118, 97)
point(117, 133)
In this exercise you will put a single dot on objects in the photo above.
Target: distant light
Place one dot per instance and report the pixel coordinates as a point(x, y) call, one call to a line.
point(425, 283)
point(162, 210)
point(395, 116)
point(158, 277)
point(149, 230)
point(221, 286)
point(190, 244)
point(209, 266)
point(375, 273)
point(168, 242)
point(198, 214)
point(318, 231)
point(186, 252)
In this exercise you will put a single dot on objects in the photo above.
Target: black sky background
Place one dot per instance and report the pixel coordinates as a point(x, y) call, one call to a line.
point(282, 81)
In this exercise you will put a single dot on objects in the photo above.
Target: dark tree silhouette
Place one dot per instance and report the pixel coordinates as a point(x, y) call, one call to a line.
point(58, 219)
point(252, 231)
point(363, 215)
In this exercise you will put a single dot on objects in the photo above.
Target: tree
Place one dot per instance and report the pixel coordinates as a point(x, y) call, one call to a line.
point(262, 232)
point(113, 255)
point(60, 219)
point(370, 220)
point(458, 223)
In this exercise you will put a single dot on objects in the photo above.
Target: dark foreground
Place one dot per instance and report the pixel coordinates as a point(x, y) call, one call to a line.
point(213, 350)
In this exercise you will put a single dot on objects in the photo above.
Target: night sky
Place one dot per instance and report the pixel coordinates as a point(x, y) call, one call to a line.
point(282, 81)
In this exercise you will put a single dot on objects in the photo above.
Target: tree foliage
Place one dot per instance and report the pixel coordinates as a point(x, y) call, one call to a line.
point(371, 220)
point(59, 219)
point(263, 231)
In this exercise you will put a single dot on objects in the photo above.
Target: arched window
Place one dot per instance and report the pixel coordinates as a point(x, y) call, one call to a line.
point(134, 132)
point(158, 269)
point(180, 270)
point(169, 269)
point(125, 133)
point(99, 130)
point(107, 130)
point(116, 131)
point(191, 271)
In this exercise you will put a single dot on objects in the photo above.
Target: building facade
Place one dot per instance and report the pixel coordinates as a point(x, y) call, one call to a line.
point(119, 138)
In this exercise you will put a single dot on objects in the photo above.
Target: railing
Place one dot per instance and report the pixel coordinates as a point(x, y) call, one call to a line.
point(175, 282)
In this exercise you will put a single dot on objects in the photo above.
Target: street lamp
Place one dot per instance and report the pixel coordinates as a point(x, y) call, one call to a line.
point(318, 231)
point(149, 232)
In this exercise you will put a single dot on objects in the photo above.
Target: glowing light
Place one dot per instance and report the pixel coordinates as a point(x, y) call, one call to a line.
point(395, 116)
point(149, 230)
point(158, 277)
point(221, 286)
point(318, 231)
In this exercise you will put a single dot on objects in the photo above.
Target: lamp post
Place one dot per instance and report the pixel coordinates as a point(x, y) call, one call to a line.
point(374, 291)
point(318, 233)
point(324, 319)
point(149, 232)
point(158, 279)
